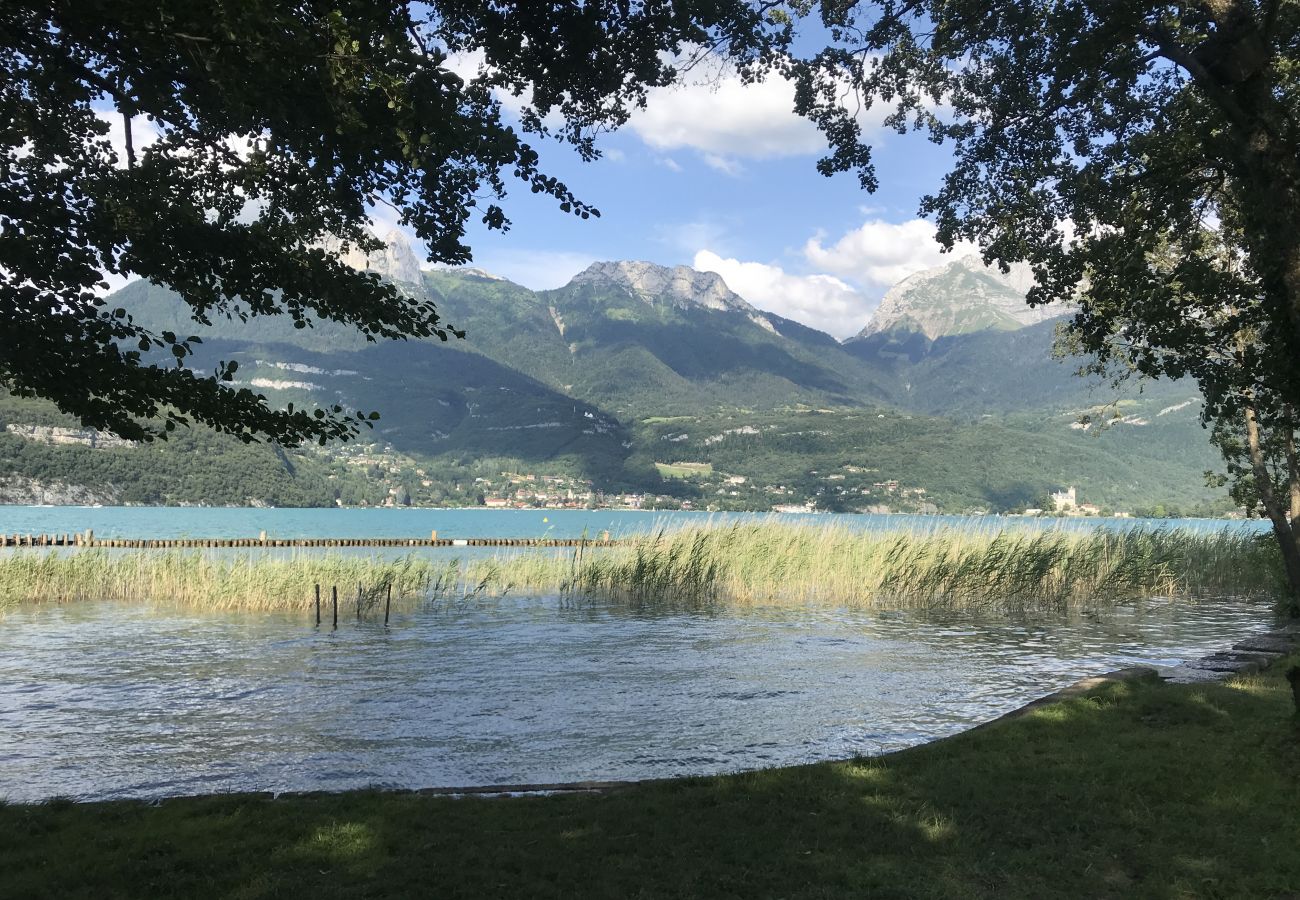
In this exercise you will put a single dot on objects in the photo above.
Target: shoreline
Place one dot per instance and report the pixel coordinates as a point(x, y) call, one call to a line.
point(1132, 789)
point(1247, 656)
point(546, 510)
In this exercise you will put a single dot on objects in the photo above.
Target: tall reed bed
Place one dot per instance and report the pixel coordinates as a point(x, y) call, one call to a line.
point(740, 564)
point(834, 565)
point(246, 581)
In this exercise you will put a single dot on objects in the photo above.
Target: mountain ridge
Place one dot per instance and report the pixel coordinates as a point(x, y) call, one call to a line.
point(959, 297)
point(633, 368)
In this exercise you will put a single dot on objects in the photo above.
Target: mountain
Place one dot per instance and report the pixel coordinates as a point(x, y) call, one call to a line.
point(962, 297)
point(396, 261)
point(679, 286)
point(959, 340)
point(648, 340)
point(661, 379)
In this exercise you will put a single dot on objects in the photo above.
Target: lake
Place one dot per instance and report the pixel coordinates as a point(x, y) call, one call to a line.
point(175, 522)
point(102, 700)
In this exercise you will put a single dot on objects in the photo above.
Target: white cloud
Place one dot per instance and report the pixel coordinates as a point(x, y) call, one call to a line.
point(820, 301)
point(881, 254)
point(726, 118)
point(724, 164)
point(143, 133)
point(467, 65)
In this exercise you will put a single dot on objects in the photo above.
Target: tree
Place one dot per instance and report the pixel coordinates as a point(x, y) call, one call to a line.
point(255, 131)
point(1143, 157)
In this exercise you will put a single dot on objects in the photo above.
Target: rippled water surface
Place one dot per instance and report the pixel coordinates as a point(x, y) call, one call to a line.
point(107, 700)
point(172, 522)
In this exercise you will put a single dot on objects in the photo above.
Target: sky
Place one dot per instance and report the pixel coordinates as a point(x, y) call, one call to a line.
point(721, 176)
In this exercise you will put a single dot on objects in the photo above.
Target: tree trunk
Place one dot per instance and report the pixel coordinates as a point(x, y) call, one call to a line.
point(1282, 531)
point(1292, 470)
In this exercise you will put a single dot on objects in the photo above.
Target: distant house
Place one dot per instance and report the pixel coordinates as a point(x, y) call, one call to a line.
point(793, 508)
point(1065, 500)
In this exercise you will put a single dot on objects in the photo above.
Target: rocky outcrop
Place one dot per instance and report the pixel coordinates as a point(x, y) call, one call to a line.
point(678, 286)
point(19, 491)
point(958, 298)
point(396, 262)
point(47, 434)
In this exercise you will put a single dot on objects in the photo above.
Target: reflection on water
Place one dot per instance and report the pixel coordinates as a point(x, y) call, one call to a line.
point(103, 700)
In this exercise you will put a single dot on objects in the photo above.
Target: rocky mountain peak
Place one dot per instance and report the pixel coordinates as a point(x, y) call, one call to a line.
point(396, 261)
point(960, 297)
point(678, 285)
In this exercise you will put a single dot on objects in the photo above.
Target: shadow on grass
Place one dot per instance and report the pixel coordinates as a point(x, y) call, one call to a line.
point(1136, 789)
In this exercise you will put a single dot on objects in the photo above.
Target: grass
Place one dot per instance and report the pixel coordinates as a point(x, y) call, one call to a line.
point(684, 469)
point(835, 566)
point(1136, 789)
point(738, 564)
point(244, 581)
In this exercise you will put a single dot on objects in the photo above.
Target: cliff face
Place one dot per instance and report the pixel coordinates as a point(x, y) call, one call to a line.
point(47, 434)
point(676, 286)
point(961, 297)
point(679, 285)
point(396, 262)
point(17, 490)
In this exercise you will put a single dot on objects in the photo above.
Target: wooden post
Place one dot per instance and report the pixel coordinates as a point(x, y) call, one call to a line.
point(261, 537)
point(90, 537)
point(388, 603)
point(433, 537)
point(318, 605)
point(335, 592)
point(358, 601)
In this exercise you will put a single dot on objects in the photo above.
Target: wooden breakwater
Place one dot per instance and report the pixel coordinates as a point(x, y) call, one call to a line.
point(87, 539)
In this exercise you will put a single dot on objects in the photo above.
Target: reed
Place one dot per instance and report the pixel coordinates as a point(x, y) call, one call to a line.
point(247, 581)
point(939, 568)
point(738, 564)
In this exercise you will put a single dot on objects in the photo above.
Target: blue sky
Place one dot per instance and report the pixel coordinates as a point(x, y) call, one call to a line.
point(722, 176)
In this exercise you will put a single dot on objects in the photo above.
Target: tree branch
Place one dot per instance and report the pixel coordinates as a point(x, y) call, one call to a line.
point(129, 139)
point(1187, 61)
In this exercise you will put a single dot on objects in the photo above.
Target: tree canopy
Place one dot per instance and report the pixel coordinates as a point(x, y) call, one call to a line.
point(253, 133)
point(1143, 157)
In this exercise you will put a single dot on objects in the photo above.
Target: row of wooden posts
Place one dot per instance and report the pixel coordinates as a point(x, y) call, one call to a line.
point(87, 539)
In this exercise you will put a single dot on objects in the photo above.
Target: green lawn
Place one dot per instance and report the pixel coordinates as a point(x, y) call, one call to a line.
point(1137, 789)
point(684, 469)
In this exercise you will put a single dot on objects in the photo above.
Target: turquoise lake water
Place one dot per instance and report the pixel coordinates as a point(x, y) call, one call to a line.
point(106, 700)
point(175, 522)
point(101, 700)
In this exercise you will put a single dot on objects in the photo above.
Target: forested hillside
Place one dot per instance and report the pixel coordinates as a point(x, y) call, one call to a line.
point(631, 371)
